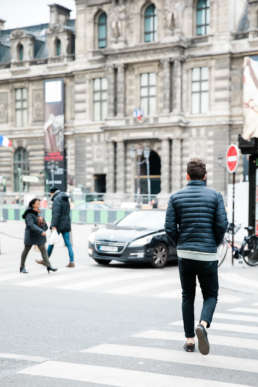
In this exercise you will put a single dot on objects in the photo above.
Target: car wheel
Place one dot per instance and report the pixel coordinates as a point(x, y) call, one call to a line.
point(103, 261)
point(159, 255)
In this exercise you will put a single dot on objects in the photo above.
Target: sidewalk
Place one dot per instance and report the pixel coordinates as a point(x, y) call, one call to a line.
point(239, 277)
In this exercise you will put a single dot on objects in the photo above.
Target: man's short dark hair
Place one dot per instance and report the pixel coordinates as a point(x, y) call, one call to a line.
point(53, 189)
point(196, 169)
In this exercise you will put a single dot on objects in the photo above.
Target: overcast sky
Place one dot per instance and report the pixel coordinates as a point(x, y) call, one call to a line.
point(21, 13)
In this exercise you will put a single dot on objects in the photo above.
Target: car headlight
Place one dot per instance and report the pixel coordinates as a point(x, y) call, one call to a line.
point(91, 238)
point(141, 241)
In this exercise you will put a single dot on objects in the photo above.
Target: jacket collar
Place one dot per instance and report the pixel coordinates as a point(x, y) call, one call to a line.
point(196, 182)
point(55, 194)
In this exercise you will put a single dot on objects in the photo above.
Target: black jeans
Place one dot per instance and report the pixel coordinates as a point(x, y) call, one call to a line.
point(207, 274)
point(42, 250)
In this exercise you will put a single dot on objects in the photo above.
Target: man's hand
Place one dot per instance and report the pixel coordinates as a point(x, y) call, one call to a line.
point(44, 233)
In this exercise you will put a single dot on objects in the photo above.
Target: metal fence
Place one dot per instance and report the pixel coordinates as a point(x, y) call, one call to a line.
point(89, 208)
point(87, 201)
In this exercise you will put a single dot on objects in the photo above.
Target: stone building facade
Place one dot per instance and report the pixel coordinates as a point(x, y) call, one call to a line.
point(161, 75)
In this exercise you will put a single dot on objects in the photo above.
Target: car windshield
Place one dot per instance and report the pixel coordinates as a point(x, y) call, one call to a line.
point(144, 219)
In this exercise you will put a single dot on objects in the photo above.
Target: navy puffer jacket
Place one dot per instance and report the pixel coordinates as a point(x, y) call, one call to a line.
point(196, 219)
point(61, 212)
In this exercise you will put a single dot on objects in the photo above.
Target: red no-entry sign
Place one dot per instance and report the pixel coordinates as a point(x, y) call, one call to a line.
point(232, 158)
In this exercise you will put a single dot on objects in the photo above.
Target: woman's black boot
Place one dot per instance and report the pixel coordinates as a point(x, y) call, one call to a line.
point(23, 270)
point(50, 268)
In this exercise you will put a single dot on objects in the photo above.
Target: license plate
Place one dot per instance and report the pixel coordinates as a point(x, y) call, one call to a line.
point(110, 249)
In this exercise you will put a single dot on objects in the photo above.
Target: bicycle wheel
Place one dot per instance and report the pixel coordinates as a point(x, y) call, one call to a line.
point(250, 254)
point(222, 252)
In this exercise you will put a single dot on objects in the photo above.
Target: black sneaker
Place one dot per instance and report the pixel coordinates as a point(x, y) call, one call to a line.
point(203, 342)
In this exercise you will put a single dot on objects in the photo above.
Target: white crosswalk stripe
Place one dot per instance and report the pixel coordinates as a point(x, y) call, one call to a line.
point(181, 357)
point(214, 339)
point(239, 280)
point(226, 327)
point(176, 293)
point(116, 376)
point(163, 284)
point(108, 280)
point(57, 278)
point(245, 310)
point(236, 317)
point(124, 377)
point(132, 289)
point(15, 356)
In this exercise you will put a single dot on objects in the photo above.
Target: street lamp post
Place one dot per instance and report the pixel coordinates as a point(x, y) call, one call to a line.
point(138, 152)
point(146, 153)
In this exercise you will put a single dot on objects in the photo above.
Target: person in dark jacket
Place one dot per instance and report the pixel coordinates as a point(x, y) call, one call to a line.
point(35, 234)
point(61, 221)
point(196, 222)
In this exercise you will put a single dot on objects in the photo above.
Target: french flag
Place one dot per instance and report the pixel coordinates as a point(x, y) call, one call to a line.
point(138, 113)
point(4, 141)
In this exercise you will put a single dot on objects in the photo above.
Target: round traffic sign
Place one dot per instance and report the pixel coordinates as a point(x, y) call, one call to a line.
point(232, 158)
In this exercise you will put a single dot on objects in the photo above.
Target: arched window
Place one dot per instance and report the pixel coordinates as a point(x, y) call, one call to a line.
point(102, 30)
point(203, 17)
point(20, 52)
point(21, 168)
point(150, 24)
point(58, 47)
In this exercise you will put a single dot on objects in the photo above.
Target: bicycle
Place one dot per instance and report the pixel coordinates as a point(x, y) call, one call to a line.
point(248, 251)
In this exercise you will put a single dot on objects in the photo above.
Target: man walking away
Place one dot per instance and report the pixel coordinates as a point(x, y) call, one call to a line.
point(61, 221)
point(196, 222)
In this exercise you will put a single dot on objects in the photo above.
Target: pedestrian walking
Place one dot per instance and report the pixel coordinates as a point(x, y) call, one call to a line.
point(61, 222)
point(196, 222)
point(35, 234)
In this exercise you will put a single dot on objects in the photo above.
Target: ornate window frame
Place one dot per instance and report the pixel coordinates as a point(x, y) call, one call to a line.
point(152, 19)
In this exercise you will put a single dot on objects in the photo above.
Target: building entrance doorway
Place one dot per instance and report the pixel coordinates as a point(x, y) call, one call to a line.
point(154, 174)
point(100, 183)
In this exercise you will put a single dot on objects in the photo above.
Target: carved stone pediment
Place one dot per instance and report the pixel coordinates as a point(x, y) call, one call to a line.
point(18, 34)
point(21, 35)
point(56, 29)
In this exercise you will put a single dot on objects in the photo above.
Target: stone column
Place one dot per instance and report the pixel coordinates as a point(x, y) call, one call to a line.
point(176, 164)
point(165, 166)
point(120, 89)
point(177, 86)
point(110, 75)
point(110, 167)
point(166, 85)
point(120, 162)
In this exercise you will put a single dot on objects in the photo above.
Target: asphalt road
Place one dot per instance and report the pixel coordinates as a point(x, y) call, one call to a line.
point(115, 326)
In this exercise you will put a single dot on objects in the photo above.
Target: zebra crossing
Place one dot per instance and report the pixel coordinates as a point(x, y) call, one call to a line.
point(112, 280)
point(156, 358)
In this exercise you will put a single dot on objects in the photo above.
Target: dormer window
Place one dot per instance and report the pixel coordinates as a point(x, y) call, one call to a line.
point(58, 47)
point(203, 17)
point(150, 24)
point(102, 30)
point(20, 52)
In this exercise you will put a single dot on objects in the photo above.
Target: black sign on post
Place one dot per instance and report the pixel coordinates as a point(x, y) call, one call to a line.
point(55, 161)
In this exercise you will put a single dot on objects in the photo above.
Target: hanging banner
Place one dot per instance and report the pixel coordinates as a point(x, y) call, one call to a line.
point(55, 163)
point(250, 97)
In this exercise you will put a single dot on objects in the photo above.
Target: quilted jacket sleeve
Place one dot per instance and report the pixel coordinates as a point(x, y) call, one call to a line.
point(221, 222)
point(56, 212)
point(171, 223)
point(32, 225)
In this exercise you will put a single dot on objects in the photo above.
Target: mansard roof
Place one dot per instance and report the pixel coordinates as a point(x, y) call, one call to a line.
point(37, 31)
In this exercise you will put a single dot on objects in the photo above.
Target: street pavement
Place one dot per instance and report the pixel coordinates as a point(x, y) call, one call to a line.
point(118, 325)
